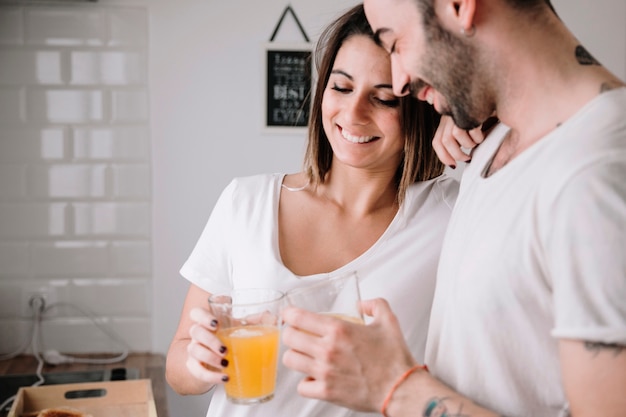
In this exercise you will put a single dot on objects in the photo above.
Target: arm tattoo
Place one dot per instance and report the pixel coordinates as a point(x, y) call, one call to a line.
point(435, 407)
point(596, 348)
point(585, 58)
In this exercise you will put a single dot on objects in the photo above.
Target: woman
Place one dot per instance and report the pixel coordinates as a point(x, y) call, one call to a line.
point(371, 199)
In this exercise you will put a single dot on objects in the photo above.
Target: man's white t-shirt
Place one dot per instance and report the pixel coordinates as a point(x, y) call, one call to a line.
point(534, 253)
point(239, 248)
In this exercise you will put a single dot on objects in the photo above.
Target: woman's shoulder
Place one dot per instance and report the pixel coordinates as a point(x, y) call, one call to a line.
point(257, 180)
point(252, 187)
point(443, 188)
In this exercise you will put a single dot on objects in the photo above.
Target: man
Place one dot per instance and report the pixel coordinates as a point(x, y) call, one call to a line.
point(529, 315)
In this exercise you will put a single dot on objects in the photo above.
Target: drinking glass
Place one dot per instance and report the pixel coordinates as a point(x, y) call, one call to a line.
point(337, 296)
point(249, 327)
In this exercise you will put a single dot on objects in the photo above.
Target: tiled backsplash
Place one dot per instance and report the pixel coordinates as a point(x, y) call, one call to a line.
point(75, 174)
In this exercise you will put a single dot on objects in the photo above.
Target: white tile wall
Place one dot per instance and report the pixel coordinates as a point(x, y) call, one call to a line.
point(75, 175)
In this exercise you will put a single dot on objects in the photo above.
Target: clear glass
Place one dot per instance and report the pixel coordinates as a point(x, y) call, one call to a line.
point(337, 296)
point(249, 327)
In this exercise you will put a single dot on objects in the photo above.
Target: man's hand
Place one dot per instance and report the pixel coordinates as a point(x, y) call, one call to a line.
point(349, 364)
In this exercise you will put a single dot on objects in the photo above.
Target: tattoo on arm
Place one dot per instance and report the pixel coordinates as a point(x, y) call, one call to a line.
point(596, 348)
point(584, 57)
point(435, 407)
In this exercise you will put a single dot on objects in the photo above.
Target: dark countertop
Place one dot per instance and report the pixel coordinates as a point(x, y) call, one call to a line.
point(150, 366)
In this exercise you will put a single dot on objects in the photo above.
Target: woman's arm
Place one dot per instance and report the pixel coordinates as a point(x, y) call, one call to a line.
point(195, 348)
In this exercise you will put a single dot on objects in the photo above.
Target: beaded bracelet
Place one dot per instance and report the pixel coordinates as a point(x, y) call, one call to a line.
point(403, 377)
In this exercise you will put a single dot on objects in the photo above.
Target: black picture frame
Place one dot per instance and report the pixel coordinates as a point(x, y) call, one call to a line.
point(287, 86)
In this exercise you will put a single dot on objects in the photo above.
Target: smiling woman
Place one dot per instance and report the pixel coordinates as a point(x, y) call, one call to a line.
point(371, 199)
point(361, 116)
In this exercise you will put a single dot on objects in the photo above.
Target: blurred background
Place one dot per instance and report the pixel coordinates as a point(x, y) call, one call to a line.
point(121, 121)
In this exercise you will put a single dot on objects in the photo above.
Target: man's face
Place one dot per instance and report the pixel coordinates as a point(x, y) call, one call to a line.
point(428, 61)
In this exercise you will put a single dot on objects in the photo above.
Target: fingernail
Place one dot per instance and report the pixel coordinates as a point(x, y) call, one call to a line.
point(224, 363)
point(213, 323)
point(225, 378)
point(468, 161)
point(222, 349)
point(452, 166)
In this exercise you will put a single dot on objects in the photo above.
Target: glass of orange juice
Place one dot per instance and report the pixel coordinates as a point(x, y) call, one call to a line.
point(249, 327)
point(335, 296)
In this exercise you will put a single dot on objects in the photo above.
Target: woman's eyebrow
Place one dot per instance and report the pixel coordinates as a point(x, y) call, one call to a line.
point(341, 72)
point(348, 76)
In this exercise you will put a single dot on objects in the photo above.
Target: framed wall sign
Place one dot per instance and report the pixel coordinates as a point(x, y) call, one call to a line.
point(288, 86)
point(288, 69)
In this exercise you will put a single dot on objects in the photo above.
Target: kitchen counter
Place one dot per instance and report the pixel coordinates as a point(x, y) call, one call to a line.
point(149, 365)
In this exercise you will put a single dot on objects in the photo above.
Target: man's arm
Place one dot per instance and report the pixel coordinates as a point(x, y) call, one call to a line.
point(356, 366)
point(594, 375)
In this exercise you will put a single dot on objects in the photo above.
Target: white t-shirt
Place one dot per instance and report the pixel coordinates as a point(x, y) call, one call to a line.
point(534, 253)
point(239, 248)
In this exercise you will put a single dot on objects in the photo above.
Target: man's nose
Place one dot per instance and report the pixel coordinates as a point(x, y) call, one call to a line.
point(400, 79)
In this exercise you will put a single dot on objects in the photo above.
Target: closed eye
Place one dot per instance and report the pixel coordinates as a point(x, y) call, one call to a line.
point(389, 103)
point(340, 89)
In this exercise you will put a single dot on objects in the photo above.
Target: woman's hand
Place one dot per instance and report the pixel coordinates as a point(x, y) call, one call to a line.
point(205, 352)
point(452, 143)
point(195, 360)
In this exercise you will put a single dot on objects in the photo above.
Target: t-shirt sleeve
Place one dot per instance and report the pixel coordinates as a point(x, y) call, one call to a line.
point(587, 250)
point(209, 264)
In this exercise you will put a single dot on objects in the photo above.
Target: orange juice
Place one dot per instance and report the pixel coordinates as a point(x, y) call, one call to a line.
point(252, 353)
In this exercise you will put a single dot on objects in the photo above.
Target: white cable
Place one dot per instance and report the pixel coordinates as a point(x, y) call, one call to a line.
point(53, 357)
point(35, 303)
point(38, 306)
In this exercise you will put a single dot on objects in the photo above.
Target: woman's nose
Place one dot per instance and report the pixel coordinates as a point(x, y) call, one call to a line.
point(357, 109)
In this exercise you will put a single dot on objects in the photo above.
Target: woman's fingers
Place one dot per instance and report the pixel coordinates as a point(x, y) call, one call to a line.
point(452, 143)
point(205, 352)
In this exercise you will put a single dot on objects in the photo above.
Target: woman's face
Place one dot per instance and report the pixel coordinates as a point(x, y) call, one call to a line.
point(360, 114)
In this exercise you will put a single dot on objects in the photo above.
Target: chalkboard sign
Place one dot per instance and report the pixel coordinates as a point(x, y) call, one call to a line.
point(288, 86)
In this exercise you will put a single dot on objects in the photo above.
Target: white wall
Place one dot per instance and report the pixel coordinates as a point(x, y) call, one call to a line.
point(75, 203)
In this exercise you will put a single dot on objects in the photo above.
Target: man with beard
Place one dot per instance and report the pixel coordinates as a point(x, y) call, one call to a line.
point(529, 314)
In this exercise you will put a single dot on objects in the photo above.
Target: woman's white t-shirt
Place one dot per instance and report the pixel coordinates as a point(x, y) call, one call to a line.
point(239, 248)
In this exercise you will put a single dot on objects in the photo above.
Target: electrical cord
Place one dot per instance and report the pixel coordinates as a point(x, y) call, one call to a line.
point(54, 357)
point(38, 307)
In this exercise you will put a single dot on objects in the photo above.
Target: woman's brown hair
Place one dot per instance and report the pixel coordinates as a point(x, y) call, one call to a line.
point(419, 120)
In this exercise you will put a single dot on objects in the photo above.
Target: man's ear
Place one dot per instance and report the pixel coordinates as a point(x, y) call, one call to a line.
point(457, 15)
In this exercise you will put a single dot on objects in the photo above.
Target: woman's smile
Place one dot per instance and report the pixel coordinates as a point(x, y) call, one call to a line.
point(356, 138)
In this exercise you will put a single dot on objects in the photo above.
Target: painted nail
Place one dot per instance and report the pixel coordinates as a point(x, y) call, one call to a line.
point(224, 363)
point(225, 378)
point(222, 349)
point(213, 323)
point(452, 166)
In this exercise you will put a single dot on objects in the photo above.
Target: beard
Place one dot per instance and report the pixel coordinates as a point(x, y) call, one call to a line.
point(450, 65)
